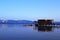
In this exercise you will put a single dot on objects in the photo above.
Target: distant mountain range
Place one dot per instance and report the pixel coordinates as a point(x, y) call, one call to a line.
point(22, 22)
point(15, 22)
point(57, 23)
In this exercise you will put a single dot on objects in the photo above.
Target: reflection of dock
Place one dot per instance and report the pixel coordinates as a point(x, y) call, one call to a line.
point(44, 28)
point(51, 25)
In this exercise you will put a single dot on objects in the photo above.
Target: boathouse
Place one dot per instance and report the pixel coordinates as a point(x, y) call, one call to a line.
point(44, 22)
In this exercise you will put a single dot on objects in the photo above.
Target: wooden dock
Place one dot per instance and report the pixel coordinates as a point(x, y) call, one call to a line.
point(46, 23)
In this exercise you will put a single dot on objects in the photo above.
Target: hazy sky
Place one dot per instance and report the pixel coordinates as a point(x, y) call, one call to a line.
point(30, 9)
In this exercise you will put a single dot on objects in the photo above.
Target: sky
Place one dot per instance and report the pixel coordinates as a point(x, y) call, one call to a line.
point(30, 9)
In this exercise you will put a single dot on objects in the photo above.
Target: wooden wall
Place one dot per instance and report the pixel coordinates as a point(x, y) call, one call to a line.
point(44, 22)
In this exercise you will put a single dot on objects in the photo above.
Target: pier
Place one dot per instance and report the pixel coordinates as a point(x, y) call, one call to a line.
point(46, 23)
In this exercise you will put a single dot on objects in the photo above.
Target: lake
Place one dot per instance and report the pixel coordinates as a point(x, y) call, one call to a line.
point(20, 32)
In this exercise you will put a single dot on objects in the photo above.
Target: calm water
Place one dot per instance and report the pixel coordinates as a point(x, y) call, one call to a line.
point(20, 32)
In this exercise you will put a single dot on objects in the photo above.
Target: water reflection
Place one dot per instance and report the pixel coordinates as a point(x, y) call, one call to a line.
point(21, 32)
point(3, 25)
point(38, 28)
point(44, 28)
point(11, 25)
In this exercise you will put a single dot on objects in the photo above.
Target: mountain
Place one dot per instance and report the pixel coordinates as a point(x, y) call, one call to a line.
point(57, 23)
point(15, 22)
point(22, 22)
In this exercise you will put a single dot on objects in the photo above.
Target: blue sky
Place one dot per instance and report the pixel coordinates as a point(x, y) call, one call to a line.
point(30, 9)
